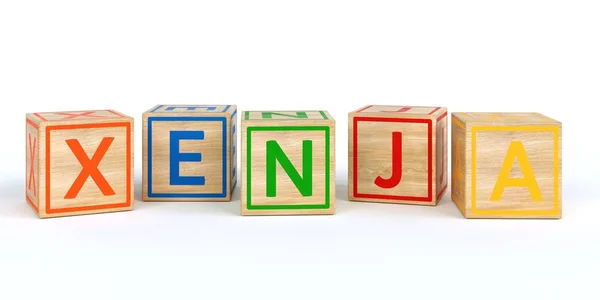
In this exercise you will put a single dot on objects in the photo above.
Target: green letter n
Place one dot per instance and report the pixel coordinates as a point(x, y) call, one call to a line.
point(299, 115)
point(303, 183)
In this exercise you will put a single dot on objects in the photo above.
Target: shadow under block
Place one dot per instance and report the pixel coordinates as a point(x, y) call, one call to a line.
point(189, 153)
point(288, 163)
point(79, 162)
point(506, 165)
point(397, 154)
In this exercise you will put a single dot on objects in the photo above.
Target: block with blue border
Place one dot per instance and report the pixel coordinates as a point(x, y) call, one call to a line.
point(189, 152)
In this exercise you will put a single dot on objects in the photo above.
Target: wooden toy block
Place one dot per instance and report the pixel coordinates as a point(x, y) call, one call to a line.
point(189, 153)
point(79, 162)
point(397, 154)
point(288, 163)
point(506, 165)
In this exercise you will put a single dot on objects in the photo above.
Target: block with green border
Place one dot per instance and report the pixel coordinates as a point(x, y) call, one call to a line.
point(288, 163)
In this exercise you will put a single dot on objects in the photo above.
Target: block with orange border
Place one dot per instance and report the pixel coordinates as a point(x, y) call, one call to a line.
point(398, 154)
point(506, 165)
point(79, 162)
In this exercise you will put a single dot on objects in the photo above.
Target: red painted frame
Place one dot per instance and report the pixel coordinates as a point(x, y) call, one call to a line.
point(429, 197)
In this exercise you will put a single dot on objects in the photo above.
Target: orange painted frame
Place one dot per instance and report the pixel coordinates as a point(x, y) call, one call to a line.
point(127, 125)
point(37, 128)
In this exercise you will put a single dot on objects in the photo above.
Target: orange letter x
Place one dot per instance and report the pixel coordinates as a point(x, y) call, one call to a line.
point(31, 167)
point(90, 168)
point(75, 115)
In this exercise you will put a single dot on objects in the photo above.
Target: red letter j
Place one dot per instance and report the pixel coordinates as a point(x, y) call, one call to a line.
point(394, 180)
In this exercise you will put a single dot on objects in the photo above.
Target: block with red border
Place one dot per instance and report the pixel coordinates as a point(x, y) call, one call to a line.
point(79, 162)
point(397, 154)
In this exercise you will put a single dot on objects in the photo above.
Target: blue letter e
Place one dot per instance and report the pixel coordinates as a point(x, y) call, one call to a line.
point(176, 157)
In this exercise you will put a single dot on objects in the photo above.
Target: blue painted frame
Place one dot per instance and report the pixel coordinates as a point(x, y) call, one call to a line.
point(223, 194)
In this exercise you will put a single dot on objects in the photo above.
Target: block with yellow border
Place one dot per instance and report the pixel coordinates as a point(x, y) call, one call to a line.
point(506, 165)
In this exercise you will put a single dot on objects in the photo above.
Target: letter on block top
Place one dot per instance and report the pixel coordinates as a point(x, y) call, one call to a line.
point(297, 115)
point(207, 108)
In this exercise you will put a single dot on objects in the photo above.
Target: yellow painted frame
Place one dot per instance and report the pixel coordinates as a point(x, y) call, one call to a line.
point(474, 210)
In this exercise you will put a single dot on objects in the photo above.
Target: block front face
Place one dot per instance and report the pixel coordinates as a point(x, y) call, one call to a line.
point(515, 171)
point(417, 110)
point(190, 108)
point(32, 165)
point(441, 147)
point(88, 167)
point(286, 115)
point(187, 158)
point(392, 159)
point(288, 170)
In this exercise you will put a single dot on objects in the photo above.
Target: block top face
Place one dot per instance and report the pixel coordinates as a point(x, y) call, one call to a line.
point(301, 115)
point(76, 116)
point(499, 118)
point(192, 108)
point(400, 110)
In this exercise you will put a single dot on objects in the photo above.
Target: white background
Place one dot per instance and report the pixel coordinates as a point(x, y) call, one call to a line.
point(475, 55)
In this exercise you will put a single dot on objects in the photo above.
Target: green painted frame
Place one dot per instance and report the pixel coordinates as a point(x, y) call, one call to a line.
point(248, 182)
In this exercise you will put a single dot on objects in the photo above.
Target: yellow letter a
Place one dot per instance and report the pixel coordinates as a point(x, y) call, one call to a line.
point(516, 151)
point(457, 174)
